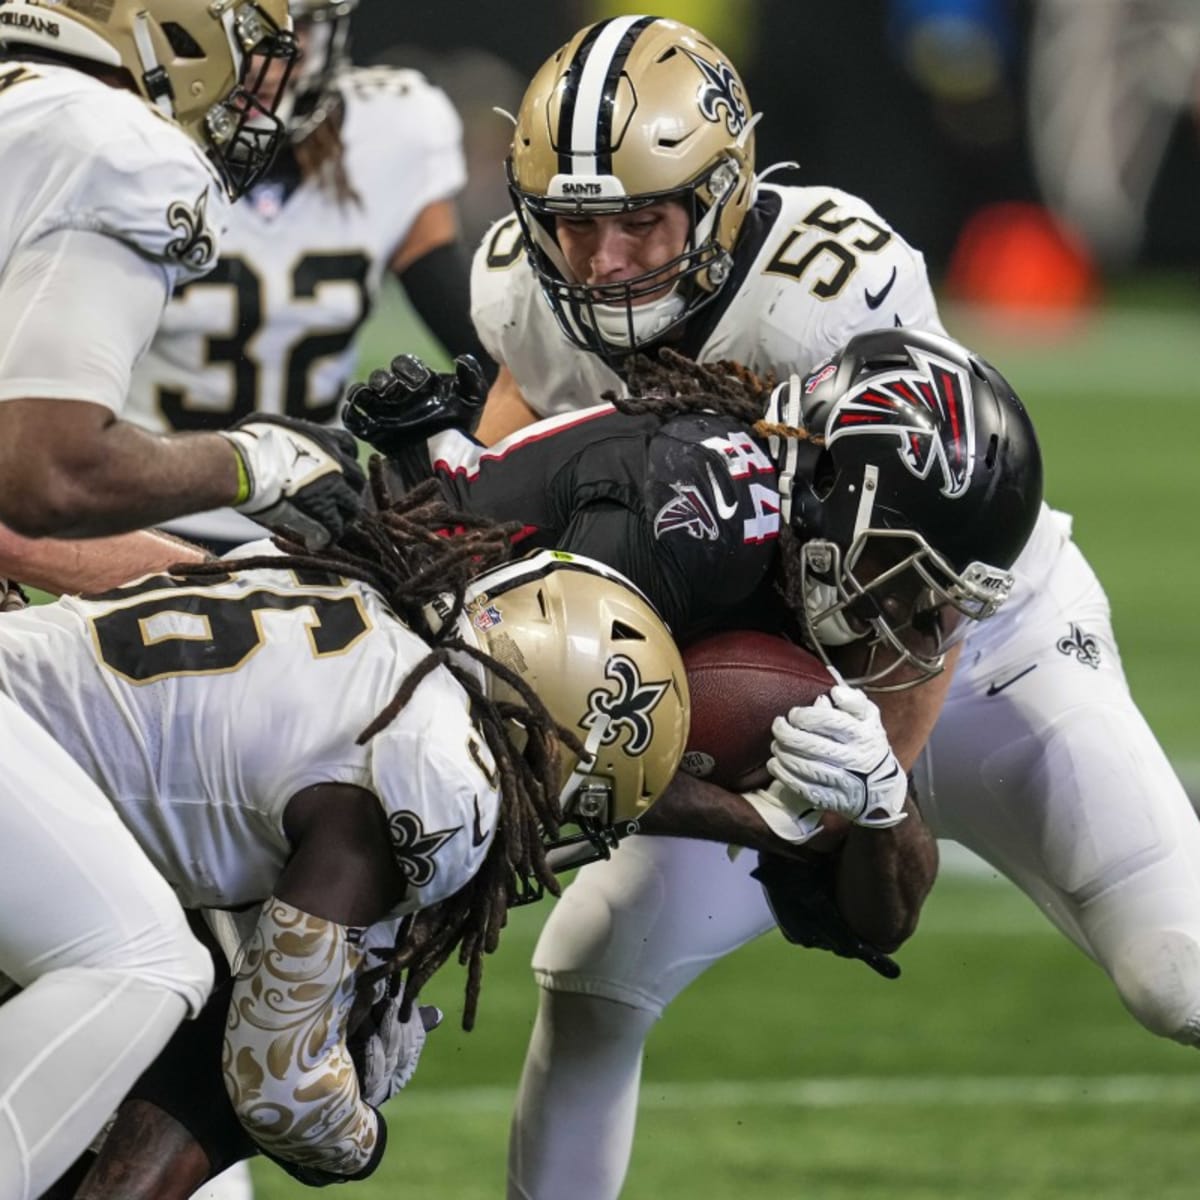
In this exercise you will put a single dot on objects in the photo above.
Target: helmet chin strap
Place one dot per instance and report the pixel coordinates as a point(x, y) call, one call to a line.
point(615, 323)
point(819, 597)
point(583, 768)
point(158, 87)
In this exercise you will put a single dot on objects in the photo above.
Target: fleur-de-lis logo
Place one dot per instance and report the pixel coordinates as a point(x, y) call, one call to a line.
point(414, 848)
point(1082, 645)
point(720, 91)
point(627, 709)
point(194, 245)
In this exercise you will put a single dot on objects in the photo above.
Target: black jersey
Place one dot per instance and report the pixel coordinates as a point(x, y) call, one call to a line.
point(688, 509)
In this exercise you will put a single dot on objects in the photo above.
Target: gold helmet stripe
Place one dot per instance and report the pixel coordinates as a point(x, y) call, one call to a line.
point(585, 119)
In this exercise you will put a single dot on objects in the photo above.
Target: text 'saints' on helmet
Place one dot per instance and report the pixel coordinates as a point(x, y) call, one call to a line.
point(914, 481)
point(631, 111)
point(201, 63)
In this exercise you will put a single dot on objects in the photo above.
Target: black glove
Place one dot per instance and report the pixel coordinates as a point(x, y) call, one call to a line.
point(801, 896)
point(297, 477)
point(409, 402)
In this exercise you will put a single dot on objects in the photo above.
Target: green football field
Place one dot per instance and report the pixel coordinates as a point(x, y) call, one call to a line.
point(1000, 1066)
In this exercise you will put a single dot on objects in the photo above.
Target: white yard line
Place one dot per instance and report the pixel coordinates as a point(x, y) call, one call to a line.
point(1050, 1091)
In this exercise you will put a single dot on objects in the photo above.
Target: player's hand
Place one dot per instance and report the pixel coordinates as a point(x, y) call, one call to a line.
point(835, 755)
point(386, 1049)
point(411, 402)
point(299, 478)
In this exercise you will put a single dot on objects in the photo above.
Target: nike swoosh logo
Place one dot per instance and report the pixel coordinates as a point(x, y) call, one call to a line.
point(994, 689)
point(725, 510)
point(478, 837)
point(874, 301)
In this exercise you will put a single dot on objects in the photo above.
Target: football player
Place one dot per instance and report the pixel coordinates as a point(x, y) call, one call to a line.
point(640, 222)
point(187, 699)
point(362, 188)
point(124, 127)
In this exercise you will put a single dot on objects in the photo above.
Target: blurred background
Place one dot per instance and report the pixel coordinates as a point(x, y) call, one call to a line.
point(1045, 156)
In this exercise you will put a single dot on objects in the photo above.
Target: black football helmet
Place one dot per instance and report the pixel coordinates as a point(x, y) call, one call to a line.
point(911, 478)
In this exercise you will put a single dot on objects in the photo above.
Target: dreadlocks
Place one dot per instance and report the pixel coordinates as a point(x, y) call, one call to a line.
point(405, 551)
point(673, 384)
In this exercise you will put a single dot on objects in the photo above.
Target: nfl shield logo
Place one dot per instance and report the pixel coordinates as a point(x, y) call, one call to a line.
point(487, 618)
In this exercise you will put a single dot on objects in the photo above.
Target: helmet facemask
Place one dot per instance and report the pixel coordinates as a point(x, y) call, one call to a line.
point(323, 29)
point(244, 131)
point(614, 320)
point(897, 600)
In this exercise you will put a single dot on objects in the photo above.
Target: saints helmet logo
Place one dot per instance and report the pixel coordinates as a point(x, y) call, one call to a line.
point(414, 848)
point(627, 709)
point(195, 245)
point(928, 411)
point(720, 91)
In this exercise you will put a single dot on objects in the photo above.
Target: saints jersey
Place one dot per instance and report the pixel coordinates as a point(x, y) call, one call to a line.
point(813, 266)
point(80, 155)
point(272, 328)
point(200, 709)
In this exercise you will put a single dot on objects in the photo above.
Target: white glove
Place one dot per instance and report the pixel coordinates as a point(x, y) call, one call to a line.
point(387, 1053)
point(298, 477)
point(834, 755)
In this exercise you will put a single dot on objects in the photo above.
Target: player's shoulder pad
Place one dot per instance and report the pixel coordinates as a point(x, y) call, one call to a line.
point(504, 293)
point(147, 183)
point(420, 109)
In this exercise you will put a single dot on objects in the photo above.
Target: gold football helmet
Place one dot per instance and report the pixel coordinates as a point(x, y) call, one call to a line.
point(324, 28)
point(605, 666)
point(198, 62)
point(631, 111)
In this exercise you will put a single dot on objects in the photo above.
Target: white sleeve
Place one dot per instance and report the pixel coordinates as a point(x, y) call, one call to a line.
point(78, 310)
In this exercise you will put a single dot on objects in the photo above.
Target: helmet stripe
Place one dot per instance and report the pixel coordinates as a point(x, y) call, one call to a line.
point(585, 121)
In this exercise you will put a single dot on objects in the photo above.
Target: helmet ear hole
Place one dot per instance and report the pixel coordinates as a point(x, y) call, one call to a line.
point(626, 633)
point(824, 475)
point(182, 42)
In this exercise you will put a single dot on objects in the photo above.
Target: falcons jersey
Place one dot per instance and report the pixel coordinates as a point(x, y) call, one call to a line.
point(813, 266)
point(687, 510)
point(272, 328)
point(200, 708)
point(79, 155)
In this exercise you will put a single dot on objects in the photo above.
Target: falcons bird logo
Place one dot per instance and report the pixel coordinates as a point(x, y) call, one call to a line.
point(929, 411)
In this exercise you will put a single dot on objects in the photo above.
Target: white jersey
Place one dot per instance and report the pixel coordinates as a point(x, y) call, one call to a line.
point(200, 710)
point(272, 328)
point(815, 266)
point(80, 155)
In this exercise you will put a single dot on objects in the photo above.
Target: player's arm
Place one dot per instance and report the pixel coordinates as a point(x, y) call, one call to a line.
point(70, 468)
point(288, 1070)
point(505, 411)
point(92, 565)
point(434, 268)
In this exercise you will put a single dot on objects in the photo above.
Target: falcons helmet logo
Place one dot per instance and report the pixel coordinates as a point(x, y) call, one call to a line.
point(930, 412)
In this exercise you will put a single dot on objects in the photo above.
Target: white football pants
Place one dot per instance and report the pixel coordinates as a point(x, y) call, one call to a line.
point(99, 944)
point(1040, 763)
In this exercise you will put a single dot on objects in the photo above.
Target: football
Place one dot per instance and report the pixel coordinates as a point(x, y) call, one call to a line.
point(740, 682)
